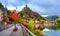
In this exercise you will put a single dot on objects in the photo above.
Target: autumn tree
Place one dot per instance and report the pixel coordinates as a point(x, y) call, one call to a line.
point(57, 23)
point(1, 6)
point(14, 16)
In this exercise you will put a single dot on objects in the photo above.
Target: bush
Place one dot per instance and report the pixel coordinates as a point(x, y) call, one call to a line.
point(38, 33)
point(57, 23)
point(21, 21)
point(31, 25)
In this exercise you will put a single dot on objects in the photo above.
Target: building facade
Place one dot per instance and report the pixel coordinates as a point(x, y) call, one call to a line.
point(1, 15)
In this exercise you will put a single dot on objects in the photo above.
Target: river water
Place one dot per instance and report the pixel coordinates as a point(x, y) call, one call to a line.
point(52, 32)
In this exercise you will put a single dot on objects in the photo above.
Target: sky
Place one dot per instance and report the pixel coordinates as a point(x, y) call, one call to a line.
point(43, 7)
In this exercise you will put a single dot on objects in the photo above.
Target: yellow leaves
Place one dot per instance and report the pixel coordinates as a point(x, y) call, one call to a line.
point(38, 32)
point(57, 23)
point(57, 19)
point(23, 22)
point(31, 24)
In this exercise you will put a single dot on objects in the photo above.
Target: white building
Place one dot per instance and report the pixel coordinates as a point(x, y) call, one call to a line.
point(1, 15)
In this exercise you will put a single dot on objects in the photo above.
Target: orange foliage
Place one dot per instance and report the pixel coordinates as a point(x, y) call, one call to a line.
point(14, 16)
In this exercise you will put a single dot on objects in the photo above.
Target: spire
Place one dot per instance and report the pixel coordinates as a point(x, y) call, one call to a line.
point(26, 6)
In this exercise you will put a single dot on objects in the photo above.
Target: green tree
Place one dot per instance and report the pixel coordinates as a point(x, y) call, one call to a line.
point(8, 12)
point(57, 23)
point(31, 24)
point(1, 6)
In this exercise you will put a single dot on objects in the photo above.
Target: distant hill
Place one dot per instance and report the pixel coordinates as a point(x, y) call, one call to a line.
point(54, 17)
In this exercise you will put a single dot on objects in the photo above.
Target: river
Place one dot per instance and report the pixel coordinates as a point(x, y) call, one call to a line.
point(52, 32)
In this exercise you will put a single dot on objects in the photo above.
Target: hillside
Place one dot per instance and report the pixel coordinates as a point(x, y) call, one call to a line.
point(28, 13)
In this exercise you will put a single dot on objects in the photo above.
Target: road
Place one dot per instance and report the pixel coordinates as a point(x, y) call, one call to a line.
point(9, 32)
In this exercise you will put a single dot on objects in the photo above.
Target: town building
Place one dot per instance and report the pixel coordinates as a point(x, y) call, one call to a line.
point(1, 15)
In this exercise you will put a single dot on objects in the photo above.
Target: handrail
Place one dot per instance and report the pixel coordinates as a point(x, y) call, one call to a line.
point(27, 30)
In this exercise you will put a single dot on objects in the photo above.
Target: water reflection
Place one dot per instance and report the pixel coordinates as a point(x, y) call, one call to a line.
point(52, 32)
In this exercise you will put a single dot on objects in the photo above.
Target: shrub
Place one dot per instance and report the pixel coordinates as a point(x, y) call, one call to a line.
point(31, 25)
point(57, 23)
point(38, 32)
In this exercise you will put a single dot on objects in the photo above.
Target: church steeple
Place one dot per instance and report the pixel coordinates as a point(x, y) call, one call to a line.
point(26, 6)
point(26, 9)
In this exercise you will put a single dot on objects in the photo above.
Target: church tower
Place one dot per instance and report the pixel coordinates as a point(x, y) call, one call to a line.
point(26, 9)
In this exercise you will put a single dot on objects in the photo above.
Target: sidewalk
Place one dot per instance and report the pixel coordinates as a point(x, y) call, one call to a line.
point(18, 32)
point(7, 32)
point(4, 27)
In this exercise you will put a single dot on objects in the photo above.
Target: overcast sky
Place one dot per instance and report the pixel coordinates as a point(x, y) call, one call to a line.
point(43, 7)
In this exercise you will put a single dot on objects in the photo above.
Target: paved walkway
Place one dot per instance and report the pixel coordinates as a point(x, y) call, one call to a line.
point(18, 32)
point(9, 32)
point(6, 32)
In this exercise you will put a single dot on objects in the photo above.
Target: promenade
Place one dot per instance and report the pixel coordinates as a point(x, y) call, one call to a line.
point(9, 31)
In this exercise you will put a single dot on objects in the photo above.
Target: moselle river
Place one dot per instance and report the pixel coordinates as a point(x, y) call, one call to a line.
point(52, 32)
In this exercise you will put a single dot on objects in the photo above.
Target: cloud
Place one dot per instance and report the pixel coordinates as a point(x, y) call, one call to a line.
point(12, 1)
point(43, 1)
point(36, 8)
point(47, 7)
point(15, 2)
point(44, 15)
point(11, 7)
point(19, 8)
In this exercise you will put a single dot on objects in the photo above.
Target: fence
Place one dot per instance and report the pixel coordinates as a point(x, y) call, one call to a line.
point(26, 31)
